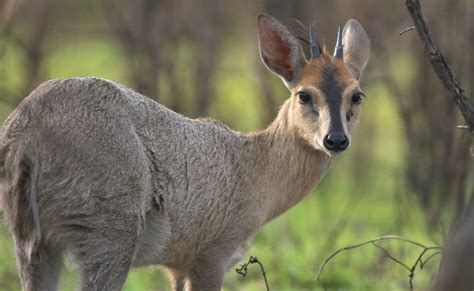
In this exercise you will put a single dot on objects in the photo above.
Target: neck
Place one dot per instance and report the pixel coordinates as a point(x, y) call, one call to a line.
point(287, 168)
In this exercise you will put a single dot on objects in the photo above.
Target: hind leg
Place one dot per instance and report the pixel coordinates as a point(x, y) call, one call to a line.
point(206, 275)
point(177, 279)
point(41, 271)
point(104, 257)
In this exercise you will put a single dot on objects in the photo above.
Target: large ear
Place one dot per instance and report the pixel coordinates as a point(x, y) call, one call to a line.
point(356, 47)
point(279, 49)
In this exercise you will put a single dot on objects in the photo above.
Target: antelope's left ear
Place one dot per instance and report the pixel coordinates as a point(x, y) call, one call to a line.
point(356, 47)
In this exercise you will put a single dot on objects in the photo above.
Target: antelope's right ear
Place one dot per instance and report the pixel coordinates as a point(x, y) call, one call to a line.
point(279, 49)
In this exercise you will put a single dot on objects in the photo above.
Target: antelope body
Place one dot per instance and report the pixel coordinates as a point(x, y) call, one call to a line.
point(92, 169)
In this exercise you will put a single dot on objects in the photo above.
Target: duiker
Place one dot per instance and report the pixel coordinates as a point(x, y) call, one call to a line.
point(92, 169)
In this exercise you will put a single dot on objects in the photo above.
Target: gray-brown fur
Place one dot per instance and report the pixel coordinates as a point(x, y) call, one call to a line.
point(116, 180)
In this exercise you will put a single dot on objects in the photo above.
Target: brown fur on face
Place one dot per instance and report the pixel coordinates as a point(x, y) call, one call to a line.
point(331, 86)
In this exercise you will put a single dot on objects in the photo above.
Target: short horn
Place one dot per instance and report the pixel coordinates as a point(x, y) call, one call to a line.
point(315, 51)
point(339, 50)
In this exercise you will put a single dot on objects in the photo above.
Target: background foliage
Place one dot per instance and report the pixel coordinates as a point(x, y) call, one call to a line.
point(408, 171)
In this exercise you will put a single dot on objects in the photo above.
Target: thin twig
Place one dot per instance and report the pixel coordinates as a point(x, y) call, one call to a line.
point(413, 268)
point(391, 257)
point(253, 260)
point(303, 40)
point(467, 127)
point(407, 29)
point(302, 26)
point(423, 263)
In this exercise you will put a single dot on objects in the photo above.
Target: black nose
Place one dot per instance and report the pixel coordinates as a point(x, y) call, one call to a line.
point(336, 142)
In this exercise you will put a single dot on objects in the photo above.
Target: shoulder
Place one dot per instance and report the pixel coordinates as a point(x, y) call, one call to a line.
point(213, 122)
point(217, 129)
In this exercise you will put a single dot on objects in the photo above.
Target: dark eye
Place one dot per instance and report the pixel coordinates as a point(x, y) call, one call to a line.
point(357, 98)
point(304, 97)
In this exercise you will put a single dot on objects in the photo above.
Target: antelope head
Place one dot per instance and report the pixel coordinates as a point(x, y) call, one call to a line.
point(324, 107)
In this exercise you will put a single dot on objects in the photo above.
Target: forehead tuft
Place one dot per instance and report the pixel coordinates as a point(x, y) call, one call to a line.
point(320, 72)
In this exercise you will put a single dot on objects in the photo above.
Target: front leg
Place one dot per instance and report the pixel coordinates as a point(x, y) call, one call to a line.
point(238, 254)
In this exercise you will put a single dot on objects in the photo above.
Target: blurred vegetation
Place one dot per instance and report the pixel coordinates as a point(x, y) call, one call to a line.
point(408, 171)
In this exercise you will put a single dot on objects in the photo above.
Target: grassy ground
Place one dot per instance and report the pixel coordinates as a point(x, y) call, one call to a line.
point(362, 197)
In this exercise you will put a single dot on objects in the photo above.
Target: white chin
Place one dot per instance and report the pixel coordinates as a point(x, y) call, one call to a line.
point(319, 147)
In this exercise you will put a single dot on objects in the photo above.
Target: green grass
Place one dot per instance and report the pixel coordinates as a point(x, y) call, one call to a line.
point(100, 58)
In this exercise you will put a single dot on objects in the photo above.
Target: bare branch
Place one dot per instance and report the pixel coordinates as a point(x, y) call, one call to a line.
point(419, 261)
point(252, 260)
point(439, 64)
point(410, 28)
point(464, 127)
point(391, 257)
point(423, 263)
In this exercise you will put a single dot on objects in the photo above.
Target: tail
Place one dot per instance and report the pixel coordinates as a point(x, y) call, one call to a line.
point(27, 226)
point(18, 179)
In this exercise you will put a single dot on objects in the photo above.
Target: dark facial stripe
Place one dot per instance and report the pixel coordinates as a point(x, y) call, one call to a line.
point(333, 91)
